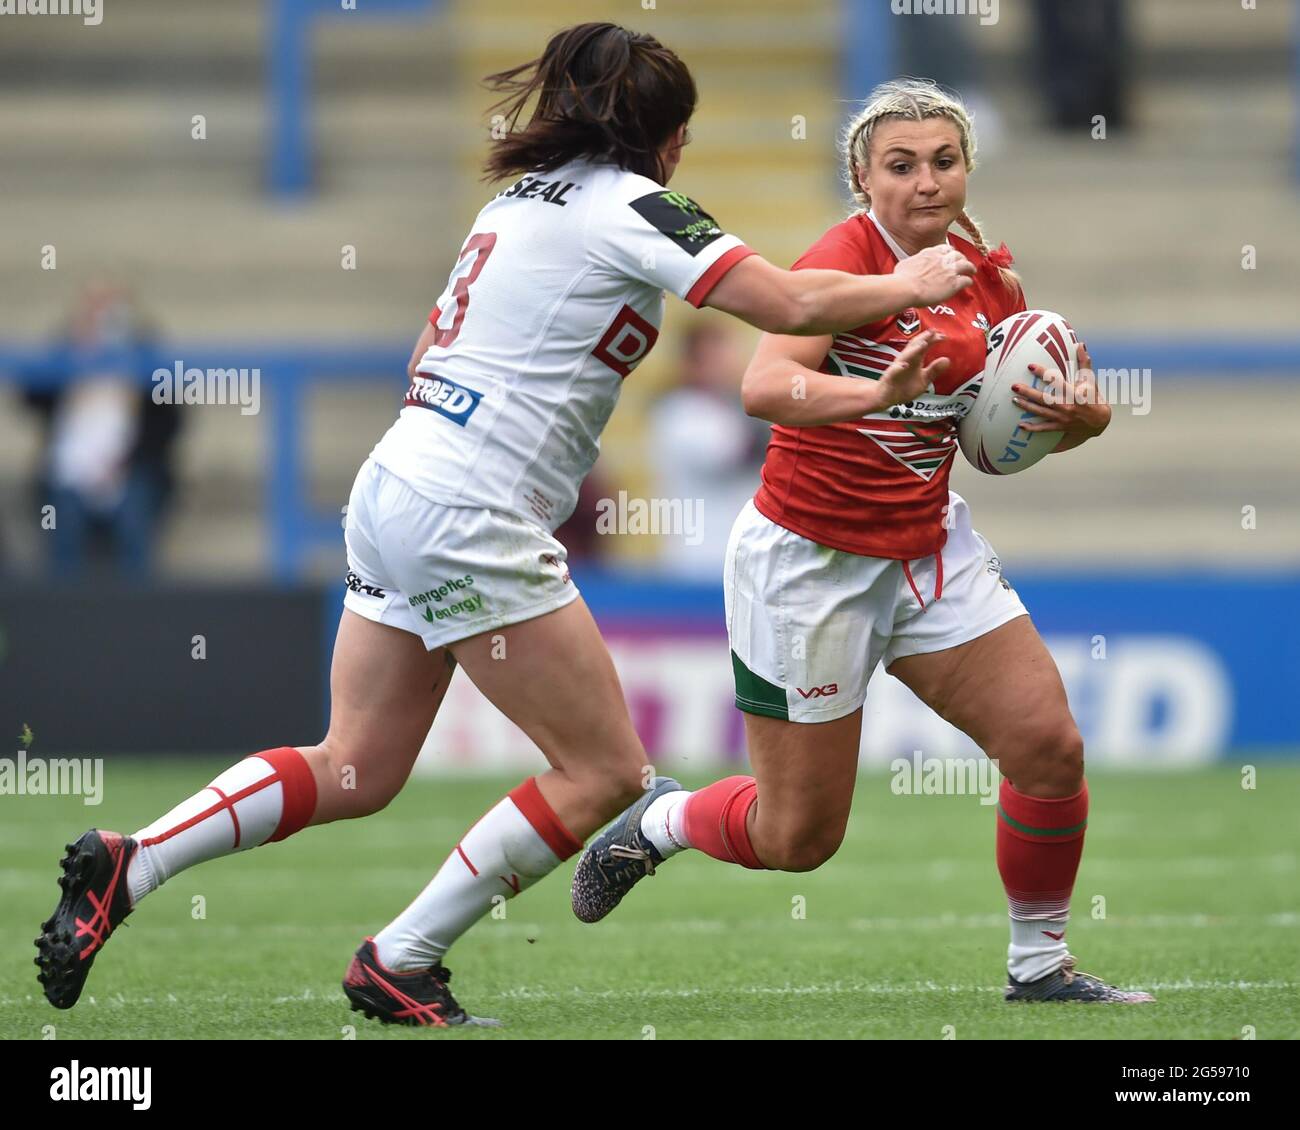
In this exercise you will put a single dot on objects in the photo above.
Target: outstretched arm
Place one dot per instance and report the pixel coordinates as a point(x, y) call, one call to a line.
point(816, 302)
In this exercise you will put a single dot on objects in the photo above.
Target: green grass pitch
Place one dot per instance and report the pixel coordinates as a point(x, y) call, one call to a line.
point(901, 936)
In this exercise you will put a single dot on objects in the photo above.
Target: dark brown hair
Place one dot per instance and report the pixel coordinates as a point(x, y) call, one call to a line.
point(602, 92)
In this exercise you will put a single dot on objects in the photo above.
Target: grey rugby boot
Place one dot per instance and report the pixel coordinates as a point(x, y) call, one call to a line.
point(616, 860)
point(1069, 984)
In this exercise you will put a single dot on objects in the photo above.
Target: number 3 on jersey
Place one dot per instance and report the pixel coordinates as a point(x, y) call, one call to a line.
point(473, 257)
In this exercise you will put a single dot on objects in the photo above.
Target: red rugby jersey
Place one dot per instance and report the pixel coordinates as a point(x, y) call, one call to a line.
point(878, 486)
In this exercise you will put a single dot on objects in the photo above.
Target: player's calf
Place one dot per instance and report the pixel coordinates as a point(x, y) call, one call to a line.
point(797, 849)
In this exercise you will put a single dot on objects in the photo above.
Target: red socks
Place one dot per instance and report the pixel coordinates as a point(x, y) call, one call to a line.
point(715, 820)
point(1039, 844)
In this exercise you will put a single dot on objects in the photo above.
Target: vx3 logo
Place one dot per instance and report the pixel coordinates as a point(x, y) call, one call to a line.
point(820, 692)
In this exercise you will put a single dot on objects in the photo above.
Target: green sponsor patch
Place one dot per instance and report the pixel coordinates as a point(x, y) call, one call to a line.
point(678, 217)
point(469, 604)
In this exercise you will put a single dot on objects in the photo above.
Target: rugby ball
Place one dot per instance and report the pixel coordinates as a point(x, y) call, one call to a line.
point(990, 434)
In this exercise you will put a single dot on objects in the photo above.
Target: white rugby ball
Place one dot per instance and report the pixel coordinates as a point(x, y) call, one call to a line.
point(990, 434)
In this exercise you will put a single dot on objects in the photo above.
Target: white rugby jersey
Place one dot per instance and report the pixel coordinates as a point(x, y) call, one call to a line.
point(556, 296)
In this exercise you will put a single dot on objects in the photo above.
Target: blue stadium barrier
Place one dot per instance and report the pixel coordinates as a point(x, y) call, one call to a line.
point(288, 369)
point(288, 155)
point(868, 36)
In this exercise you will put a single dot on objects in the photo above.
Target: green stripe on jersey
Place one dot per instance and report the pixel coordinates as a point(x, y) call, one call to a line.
point(755, 695)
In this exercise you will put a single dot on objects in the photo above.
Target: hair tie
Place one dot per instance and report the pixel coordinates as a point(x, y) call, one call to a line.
point(1001, 257)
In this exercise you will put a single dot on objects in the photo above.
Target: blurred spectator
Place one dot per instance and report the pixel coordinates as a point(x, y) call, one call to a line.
point(106, 455)
point(704, 447)
point(578, 533)
point(1081, 55)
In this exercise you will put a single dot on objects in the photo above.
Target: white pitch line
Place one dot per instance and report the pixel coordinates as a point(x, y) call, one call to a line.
point(1141, 921)
point(867, 987)
point(496, 928)
point(838, 988)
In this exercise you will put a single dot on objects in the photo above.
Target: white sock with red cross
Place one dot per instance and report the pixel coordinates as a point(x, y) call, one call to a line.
point(517, 842)
point(266, 797)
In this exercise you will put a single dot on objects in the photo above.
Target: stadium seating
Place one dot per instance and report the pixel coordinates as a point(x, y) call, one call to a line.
point(397, 136)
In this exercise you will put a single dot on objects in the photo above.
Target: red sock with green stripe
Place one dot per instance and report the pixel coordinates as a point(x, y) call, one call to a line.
point(1039, 844)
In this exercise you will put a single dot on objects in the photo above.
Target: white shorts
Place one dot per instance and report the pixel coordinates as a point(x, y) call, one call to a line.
point(445, 572)
point(808, 624)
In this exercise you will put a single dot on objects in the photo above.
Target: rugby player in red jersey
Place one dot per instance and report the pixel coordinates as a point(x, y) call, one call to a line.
point(855, 552)
point(557, 294)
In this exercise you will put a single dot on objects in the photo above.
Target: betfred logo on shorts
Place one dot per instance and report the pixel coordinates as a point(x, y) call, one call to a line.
point(820, 692)
point(445, 397)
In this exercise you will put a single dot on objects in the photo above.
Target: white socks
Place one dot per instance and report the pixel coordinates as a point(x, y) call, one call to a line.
point(272, 794)
point(516, 843)
point(664, 825)
point(242, 808)
point(1037, 945)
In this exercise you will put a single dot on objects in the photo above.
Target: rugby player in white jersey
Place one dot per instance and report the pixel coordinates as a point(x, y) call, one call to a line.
point(556, 295)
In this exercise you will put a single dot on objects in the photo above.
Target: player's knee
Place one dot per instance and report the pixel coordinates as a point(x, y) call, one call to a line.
point(1047, 757)
point(366, 802)
point(800, 849)
point(354, 790)
point(1061, 756)
point(618, 781)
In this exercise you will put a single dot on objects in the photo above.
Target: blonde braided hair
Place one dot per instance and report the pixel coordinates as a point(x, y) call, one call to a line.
point(913, 99)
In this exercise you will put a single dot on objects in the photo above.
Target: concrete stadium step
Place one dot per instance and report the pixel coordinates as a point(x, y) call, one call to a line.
point(1166, 38)
point(1176, 114)
point(493, 29)
point(1188, 24)
point(1121, 229)
point(164, 44)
